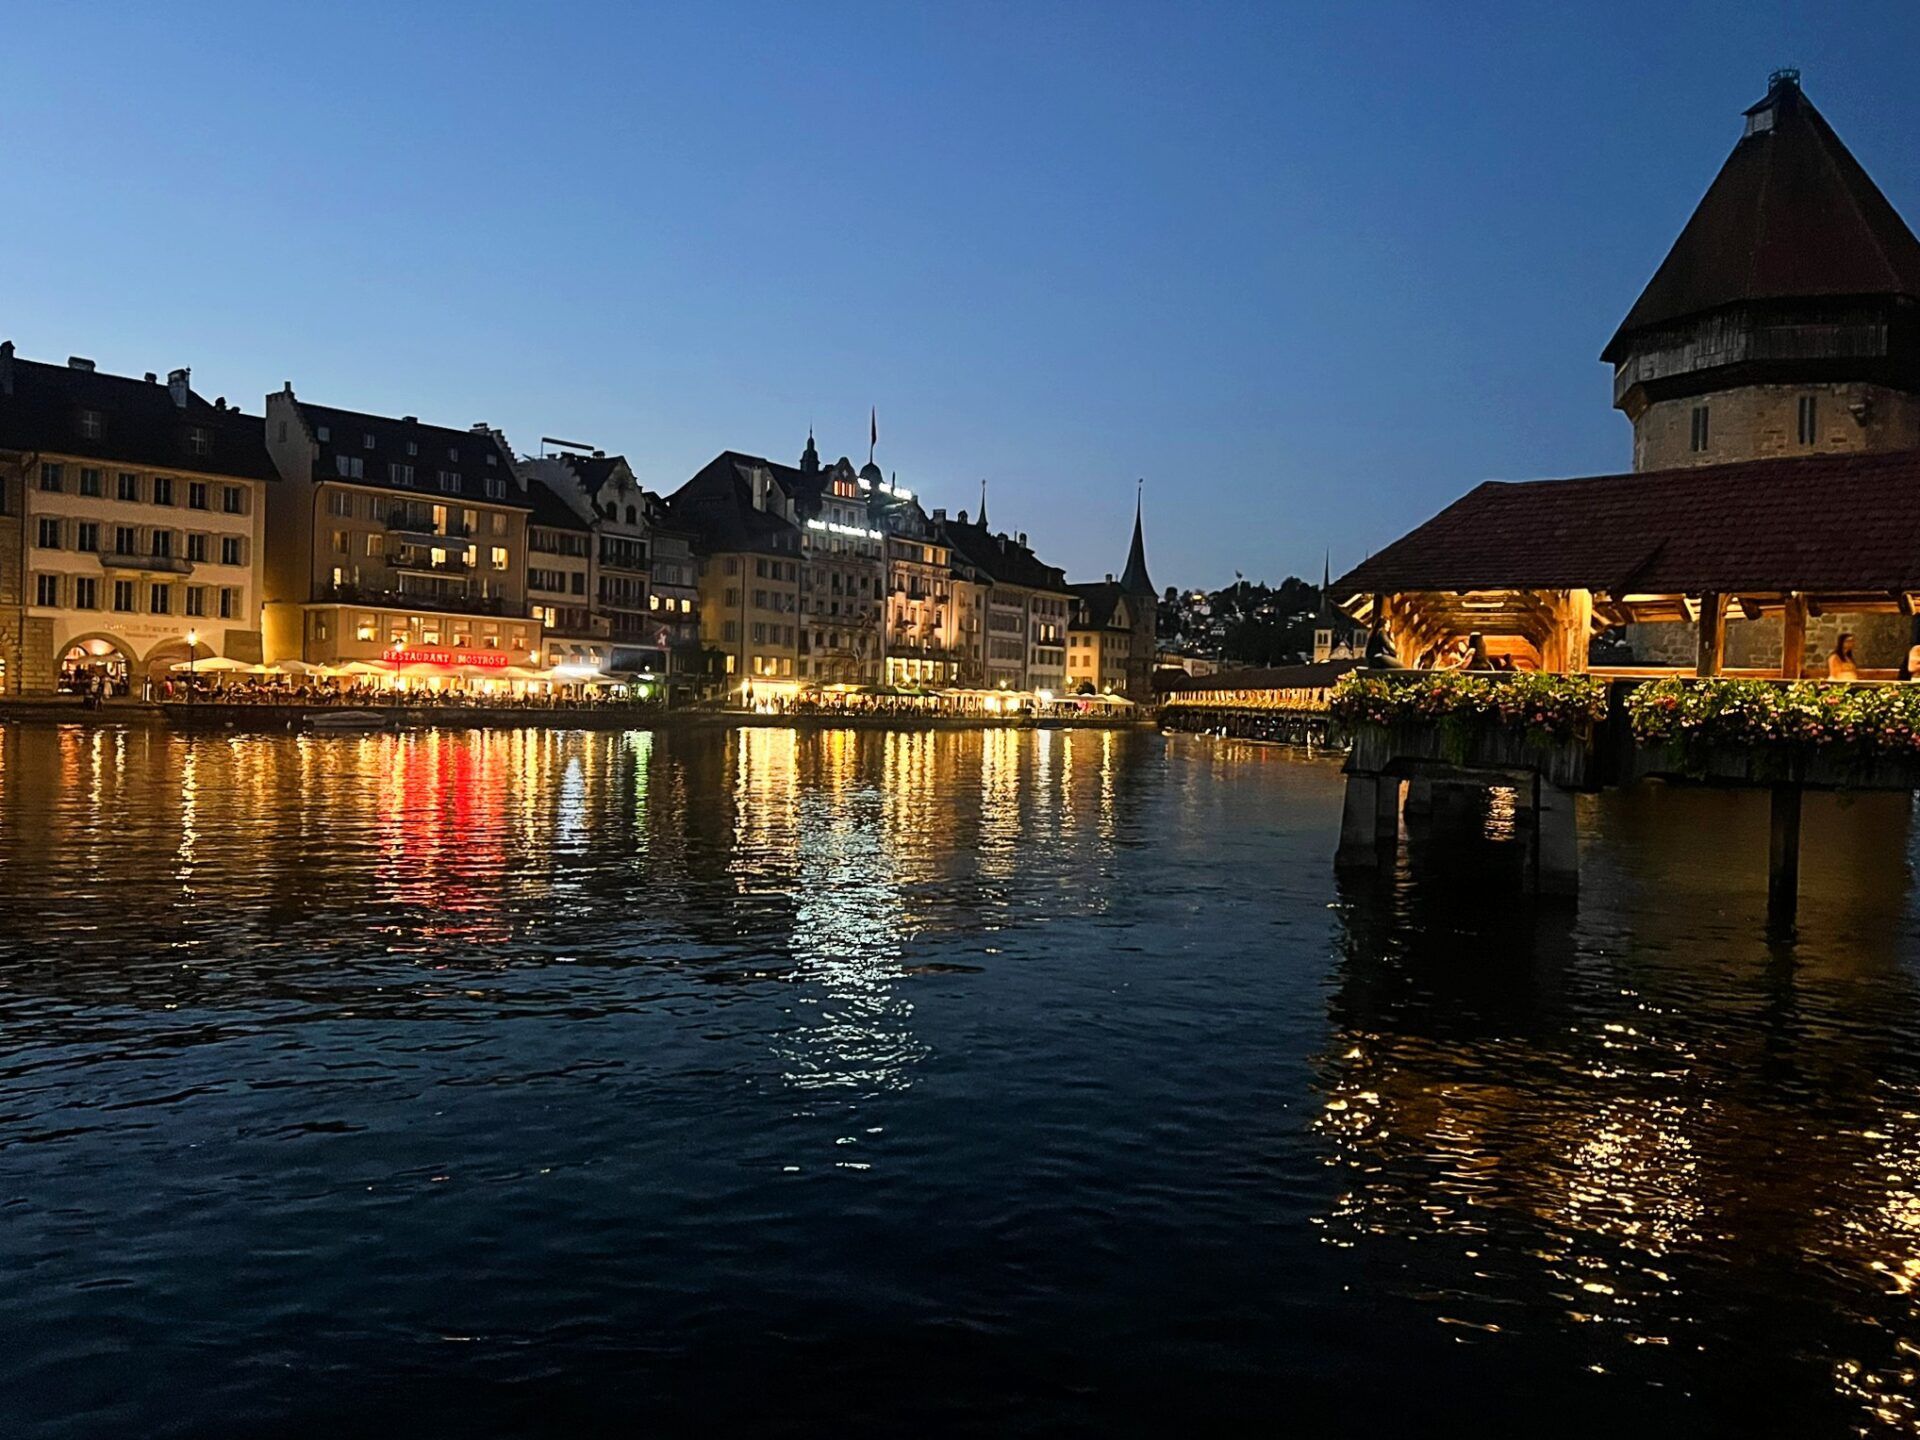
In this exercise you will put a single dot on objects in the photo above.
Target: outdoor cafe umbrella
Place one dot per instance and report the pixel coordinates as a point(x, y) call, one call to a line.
point(218, 664)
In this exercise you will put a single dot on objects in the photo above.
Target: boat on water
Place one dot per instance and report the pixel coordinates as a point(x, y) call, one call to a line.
point(347, 720)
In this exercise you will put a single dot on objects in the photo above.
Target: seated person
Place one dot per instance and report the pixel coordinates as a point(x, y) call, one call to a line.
point(1840, 664)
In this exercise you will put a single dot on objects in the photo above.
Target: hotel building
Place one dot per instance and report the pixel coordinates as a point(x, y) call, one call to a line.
point(135, 511)
point(394, 540)
point(747, 537)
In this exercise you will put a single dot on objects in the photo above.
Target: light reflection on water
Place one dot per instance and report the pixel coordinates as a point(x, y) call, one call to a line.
point(789, 1079)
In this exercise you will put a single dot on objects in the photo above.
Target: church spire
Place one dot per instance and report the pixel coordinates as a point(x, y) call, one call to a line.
point(1136, 581)
point(810, 457)
point(983, 503)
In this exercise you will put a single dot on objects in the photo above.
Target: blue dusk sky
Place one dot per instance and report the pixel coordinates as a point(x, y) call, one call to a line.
point(1311, 270)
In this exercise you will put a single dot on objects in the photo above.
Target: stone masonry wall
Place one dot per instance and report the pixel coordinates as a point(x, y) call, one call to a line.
point(1879, 642)
point(1759, 422)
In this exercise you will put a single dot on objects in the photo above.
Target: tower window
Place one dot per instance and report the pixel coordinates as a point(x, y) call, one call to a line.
point(1699, 428)
point(1809, 420)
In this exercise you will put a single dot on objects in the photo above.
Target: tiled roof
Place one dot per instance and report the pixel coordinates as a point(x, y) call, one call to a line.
point(139, 423)
point(1827, 523)
point(436, 448)
point(1002, 558)
point(1791, 216)
point(551, 510)
point(716, 506)
point(1100, 599)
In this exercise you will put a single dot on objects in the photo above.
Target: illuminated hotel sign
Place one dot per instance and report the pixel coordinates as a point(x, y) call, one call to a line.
point(479, 659)
point(834, 528)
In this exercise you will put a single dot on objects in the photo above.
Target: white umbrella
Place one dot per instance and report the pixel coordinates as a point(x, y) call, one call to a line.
point(217, 663)
point(295, 667)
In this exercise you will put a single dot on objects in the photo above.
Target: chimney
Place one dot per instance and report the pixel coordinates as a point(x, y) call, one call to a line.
point(177, 386)
point(151, 378)
point(1109, 577)
point(1023, 538)
point(220, 403)
point(599, 454)
point(940, 517)
point(963, 517)
point(480, 428)
point(6, 367)
point(79, 362)
point(409, 419)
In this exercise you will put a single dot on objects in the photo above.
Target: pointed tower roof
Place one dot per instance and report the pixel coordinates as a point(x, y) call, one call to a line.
point(1135, 580)
point(983, 504)
point(1791, 216)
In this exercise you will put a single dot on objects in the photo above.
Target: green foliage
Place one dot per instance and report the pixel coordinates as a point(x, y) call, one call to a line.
point(1540, 706)
point(1798, 718)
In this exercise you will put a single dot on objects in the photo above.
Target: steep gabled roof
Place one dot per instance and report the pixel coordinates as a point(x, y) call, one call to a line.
point(716, 506)
point(1001, 558)
point(1100, 601)
point(42, 405)
point(1135, 580)
point(1791, 216)
point(1832, 523)
point(475, 455)
point(551, 510)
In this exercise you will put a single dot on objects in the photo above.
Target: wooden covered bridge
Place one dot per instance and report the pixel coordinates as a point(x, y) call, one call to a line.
point(1749, 570)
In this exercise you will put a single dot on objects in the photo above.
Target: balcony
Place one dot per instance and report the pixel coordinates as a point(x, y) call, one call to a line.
point(145, 564)
point(455, 565)
point(416, 522)
point(459, 603)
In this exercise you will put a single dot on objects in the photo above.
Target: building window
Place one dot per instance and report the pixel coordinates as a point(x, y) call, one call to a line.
point(321, 432)
point(159, 599)
point(46, 590)
point(89, 481)
point(233, 500)
point(230, 550)
point(376, 547)
point(1700, 433)
point(496, 487)
point(127, 486)
point(123, 596)
point(197, 548)
point(229, 602)
point(162, 544)
point(196, 600)
point(50, 478)
point(366, 439)
point(499, 557)
point(86, 535)
point(163, 489)
point(196, 494)
point(49, 538)
point(349, 467)
point(340, 504)
point(339, 542)
point(86, 593)
point(124, 540)
point(413, 447)
point(1809, 420)
point(90, 424)
point(450, 481)
point(400, 474)
point(197, 443)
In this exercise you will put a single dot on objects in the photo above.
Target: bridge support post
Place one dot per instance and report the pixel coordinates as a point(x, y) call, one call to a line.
point(1420, 797)
point(1556, 841)
point(1369, 821)
point(1783, 858)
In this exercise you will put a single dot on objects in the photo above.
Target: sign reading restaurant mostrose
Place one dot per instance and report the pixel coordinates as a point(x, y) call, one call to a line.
point(483, 659)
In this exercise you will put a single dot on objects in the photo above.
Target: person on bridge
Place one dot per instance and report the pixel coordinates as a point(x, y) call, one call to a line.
point(1380, 654)
point(1840, 664)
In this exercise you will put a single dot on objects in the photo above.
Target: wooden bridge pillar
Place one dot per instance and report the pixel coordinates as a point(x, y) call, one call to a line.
point(1369, 820)
point(1556, 841)
point(1783, 858)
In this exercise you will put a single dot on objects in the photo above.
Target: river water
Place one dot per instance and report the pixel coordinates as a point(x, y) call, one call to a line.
point(925, 1083)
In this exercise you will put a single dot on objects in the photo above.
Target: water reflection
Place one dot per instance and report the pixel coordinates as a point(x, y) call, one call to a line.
point(1633, 1114)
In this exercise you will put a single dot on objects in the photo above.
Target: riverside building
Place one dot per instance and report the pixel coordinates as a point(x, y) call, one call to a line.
point(1028, 607)
point(133, 518)
point(747, 540)
point(390, 539)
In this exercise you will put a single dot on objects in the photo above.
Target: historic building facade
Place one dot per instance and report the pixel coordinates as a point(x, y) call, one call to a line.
point(393, 539)
point(136, 513)
point(1785, 321)
point(747, 540)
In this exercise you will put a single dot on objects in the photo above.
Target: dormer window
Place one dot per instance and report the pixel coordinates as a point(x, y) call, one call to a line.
point(413, 447)
point(367, 440)
point(453, 452)
point(90, 424)
point(197, 442)
point(321, 433)
point(1760, 121)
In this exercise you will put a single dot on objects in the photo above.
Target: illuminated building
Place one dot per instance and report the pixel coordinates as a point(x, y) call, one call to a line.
point(135, 511)
point(396, 539)
point(920, 614)
point(843, 569)
point(1027, 607)
point(747, 541)
point(1100, 637)
point(594, 534)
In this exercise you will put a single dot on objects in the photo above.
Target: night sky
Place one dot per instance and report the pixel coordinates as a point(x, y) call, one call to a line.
point(1310, 270)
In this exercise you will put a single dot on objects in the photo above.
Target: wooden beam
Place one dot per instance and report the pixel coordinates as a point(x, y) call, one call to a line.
point(1793, 637)
point(1713, 634)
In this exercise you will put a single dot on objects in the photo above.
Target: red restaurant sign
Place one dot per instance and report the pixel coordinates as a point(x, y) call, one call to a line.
point(480, 659)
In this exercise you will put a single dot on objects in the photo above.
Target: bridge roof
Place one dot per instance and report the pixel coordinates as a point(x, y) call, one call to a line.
point(1280, 677)
point(1833, 524)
